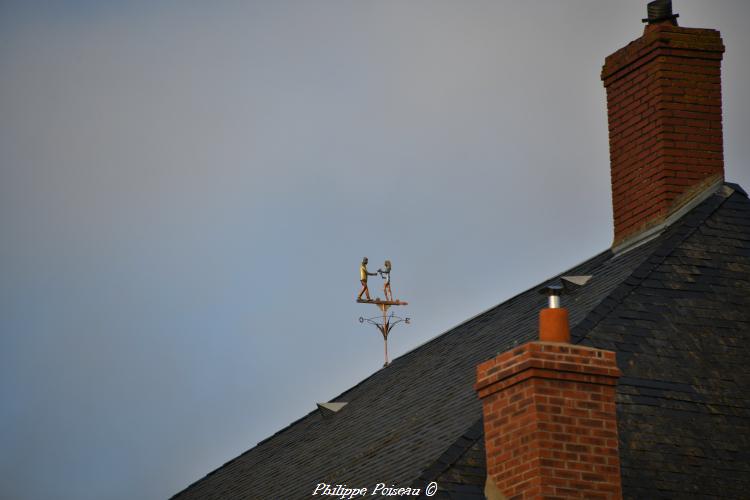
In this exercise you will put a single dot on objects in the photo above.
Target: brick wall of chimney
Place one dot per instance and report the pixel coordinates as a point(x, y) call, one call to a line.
point(665, 135)
point(550, 424)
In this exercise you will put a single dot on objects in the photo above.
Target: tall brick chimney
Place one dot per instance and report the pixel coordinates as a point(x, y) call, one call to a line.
point(550, 425)
point(664, 109)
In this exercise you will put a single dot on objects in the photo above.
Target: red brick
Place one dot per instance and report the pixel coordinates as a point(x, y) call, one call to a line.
point(664, 108)
point(552, 444)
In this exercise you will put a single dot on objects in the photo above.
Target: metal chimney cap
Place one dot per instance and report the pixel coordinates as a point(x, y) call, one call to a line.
point(565, 285)
point(553, 292)
point(553, 289)
point(660, 10)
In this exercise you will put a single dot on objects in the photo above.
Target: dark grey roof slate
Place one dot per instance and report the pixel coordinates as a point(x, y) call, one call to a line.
point(682, 336)
point(675, 309)
point(460, 471)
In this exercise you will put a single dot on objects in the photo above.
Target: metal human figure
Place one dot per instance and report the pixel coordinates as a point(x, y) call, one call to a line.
point(386, 275)
point(363, 274)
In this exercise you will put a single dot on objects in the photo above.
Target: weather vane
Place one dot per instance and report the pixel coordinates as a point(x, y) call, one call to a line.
point(385, 321)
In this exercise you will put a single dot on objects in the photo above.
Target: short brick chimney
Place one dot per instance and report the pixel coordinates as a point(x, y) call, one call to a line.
point(664, 108)
point(550, 426)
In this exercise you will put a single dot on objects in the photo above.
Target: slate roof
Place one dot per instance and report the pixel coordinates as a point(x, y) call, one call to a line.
point(676, 309)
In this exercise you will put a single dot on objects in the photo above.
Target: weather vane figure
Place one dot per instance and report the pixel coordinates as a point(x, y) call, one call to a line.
point(386, 275)
point(363, 274)
point(385, 321)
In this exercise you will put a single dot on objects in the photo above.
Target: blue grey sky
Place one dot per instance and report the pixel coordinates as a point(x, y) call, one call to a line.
point(187, 189)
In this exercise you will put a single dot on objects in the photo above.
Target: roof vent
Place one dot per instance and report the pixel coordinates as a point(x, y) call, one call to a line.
point(660, 10)
point(327, 410)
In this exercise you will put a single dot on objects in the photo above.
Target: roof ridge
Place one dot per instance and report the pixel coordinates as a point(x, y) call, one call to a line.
point(687, 225)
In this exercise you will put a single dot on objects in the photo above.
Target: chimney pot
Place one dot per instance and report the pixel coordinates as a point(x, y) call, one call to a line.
point(553, 325)
point(660, 11)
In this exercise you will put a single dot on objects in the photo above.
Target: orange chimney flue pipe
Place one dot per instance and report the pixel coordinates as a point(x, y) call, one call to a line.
point(553, 325)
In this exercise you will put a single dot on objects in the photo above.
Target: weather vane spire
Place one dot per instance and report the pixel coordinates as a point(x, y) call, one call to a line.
point(385, 321)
